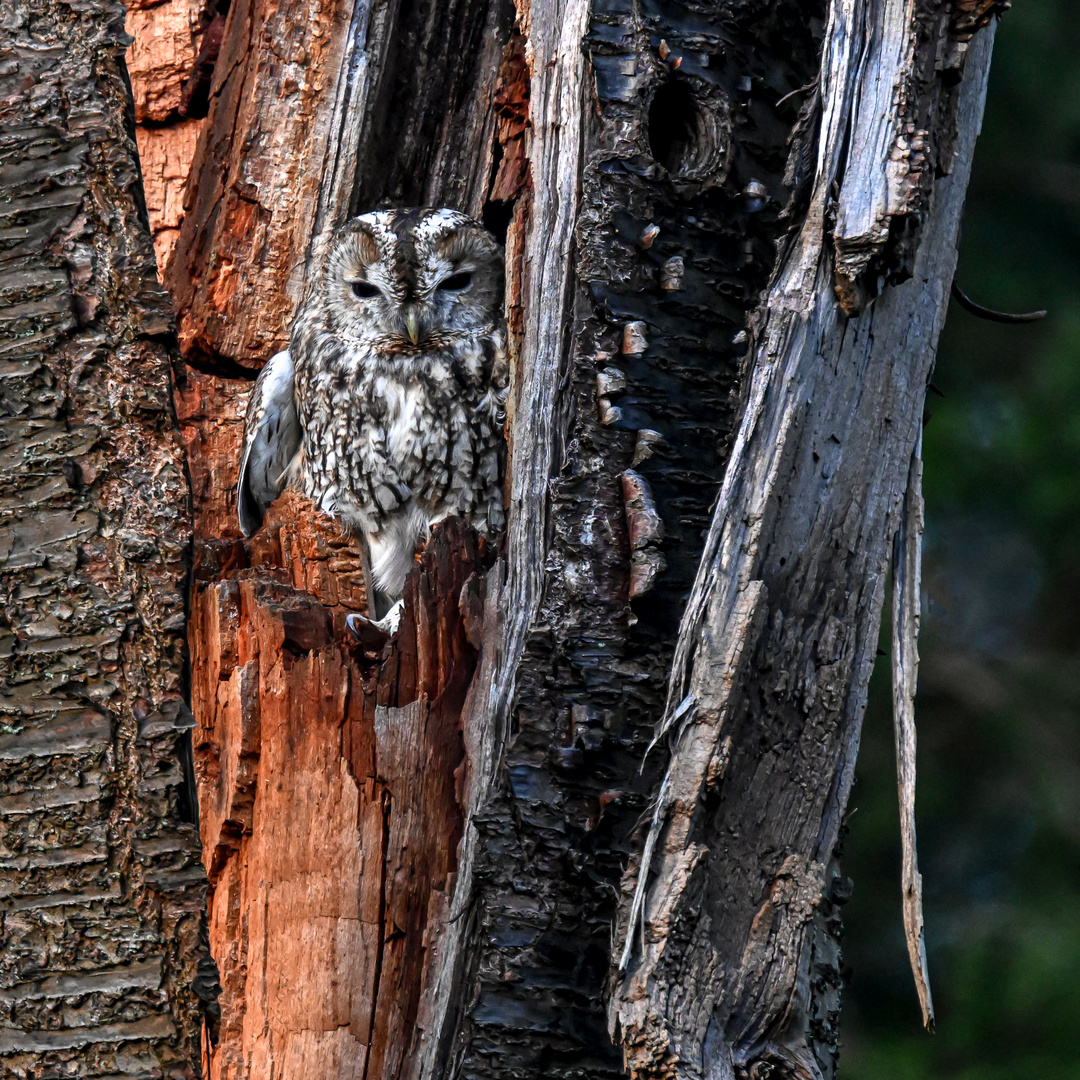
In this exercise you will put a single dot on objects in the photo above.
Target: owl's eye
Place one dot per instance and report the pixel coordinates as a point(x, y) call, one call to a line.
point(456, 283)
point(364, 289)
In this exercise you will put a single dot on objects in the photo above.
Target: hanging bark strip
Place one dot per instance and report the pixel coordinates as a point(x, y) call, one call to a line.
point(780, 632)
point(906, 600)
point(102, 893)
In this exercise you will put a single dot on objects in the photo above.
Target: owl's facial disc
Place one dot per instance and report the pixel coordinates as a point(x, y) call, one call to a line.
point(408, 281)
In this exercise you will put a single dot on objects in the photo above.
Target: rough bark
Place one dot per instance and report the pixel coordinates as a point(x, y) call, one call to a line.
point(102, 893)
point(648, 164)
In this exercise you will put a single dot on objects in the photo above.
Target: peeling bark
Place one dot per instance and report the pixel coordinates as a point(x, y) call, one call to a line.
point(906, 602)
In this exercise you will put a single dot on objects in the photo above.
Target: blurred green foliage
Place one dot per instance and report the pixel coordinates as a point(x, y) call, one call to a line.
point(999, 702)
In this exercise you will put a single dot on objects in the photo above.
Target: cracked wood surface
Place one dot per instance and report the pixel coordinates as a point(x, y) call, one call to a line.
point(778, 641)
point(261, 155)
point(168, 41)
point(102, 892)
point(329, 812)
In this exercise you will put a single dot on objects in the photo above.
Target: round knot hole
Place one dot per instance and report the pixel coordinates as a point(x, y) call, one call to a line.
point(685, 136)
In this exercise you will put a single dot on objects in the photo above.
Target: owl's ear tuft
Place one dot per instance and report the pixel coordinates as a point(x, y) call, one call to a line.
point(472, 240)
point(363, 249)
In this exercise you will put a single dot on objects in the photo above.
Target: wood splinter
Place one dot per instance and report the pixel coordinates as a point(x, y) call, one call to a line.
point(907, 575)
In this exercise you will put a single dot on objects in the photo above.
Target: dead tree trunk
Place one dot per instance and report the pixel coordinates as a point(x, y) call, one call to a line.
point(730, 235)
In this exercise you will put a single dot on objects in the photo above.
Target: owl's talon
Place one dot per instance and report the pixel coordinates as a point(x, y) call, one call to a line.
point(374, 631)
point(365, 631)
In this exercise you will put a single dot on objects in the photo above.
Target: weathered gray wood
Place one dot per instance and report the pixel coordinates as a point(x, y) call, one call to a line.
point(780, 632)
point(102, 893)
point(906, 601)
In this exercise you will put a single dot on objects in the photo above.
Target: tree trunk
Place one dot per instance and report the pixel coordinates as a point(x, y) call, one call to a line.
point(102, 891)
point(730, 235)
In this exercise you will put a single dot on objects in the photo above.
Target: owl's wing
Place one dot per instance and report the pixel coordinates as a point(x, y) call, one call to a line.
point(271, 442)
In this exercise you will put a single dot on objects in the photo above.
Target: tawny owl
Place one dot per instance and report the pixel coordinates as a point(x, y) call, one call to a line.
point(387, 408)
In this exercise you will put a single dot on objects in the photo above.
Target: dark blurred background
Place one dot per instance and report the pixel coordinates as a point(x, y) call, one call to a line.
point(999, 691)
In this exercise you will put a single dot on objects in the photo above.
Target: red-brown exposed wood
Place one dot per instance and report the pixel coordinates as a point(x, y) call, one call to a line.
point(512, 110)
point(249, 218)
point(167, 39)
point(328, 779)
point(294, 924)
point(329, 815)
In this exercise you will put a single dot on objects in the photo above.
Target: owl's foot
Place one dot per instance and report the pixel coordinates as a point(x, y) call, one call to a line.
point(374, 631)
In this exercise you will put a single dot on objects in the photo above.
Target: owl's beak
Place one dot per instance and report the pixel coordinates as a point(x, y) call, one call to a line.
point(412, 325)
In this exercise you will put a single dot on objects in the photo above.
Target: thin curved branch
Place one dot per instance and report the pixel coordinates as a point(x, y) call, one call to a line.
point(990, 314)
